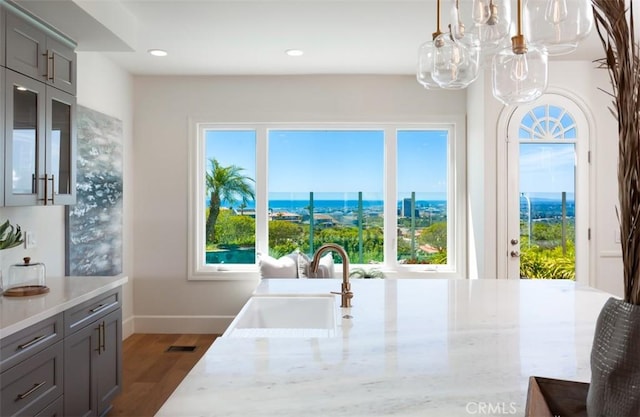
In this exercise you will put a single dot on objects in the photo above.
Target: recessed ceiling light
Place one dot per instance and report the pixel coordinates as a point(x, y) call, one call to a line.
point(157, 52)
point(294, 52)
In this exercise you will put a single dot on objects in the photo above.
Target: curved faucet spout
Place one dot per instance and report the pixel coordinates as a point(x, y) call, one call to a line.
point(346, 293)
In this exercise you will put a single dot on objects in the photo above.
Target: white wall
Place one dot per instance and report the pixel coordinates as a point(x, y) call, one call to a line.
point(164, 299)
point(104, 87)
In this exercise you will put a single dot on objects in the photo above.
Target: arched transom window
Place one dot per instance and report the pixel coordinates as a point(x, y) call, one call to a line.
point(547, 123)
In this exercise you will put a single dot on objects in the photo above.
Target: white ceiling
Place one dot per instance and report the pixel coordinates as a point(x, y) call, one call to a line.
point(250, 37)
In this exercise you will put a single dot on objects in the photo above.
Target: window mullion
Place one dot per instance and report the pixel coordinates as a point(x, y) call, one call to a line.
point(390, 196)
point(262, 203)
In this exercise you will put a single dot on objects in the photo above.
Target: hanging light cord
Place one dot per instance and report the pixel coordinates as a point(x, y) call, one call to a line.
point(518, 43)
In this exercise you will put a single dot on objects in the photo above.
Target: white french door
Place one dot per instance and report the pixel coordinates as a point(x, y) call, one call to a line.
point(547, 191)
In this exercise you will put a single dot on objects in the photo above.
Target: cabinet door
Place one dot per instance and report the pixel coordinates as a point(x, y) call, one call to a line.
point(2, 35)
point(61, 70)
point(25, 47)
point(24, 139)
point(80, 372)
point(109, 361)
point(2, 131)
point(60, 149)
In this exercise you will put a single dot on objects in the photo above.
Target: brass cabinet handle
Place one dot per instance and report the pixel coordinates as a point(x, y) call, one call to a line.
point(53, 67)
point(104, 337)
point(31, 343)
point(31, 391)
point(46, 180)
point(101, 336)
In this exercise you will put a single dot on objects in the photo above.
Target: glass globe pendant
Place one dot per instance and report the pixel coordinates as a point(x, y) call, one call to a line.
point(488, 20)
point(455, 63)
point(559, 25)
point(426, 55)
point(519, 72)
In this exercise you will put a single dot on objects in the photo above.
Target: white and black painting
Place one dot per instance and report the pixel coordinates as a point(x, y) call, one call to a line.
point(94, 223)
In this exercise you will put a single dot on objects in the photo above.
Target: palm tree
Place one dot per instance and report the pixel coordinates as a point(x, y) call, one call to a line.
point(228, 184)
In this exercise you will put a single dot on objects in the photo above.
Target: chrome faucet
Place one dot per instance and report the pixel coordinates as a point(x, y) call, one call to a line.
point(346, 293)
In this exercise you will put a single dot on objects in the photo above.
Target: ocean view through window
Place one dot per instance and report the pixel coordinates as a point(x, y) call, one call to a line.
point(384, 193)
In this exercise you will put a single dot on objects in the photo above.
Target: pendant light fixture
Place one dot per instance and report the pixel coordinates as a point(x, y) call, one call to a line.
point(488, 20)
point(519, 72)
point(456, 56)
point(558, 24)
point(426, 55)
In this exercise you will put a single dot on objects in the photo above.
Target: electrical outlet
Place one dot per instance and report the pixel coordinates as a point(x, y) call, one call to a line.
point(30, 240)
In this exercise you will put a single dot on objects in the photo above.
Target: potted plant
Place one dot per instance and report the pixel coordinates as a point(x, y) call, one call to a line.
point(366, 273)
point(615, 356)
point(10, 237)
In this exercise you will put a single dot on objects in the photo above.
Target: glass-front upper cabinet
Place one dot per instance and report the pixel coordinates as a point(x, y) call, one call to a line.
point(40, 141)
point(2, 132)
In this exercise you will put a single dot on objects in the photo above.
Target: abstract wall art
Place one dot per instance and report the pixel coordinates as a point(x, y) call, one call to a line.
point(94, 223)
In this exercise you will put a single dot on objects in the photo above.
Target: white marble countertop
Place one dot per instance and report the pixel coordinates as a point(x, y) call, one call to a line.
point(17, 313)
point(413, 348)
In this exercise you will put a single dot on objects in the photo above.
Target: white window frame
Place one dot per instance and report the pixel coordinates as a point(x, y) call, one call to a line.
point(456, 200)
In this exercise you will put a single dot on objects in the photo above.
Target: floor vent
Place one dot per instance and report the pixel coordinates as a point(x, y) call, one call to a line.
point(181, 348)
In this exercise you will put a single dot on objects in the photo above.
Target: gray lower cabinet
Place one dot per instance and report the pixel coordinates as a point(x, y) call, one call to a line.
point(93, 356)
point(67, 365)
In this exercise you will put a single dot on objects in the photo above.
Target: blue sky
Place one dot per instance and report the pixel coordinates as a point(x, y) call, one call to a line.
point(338, 164)
point(547, 168)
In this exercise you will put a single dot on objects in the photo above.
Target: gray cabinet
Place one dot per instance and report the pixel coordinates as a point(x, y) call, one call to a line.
point(2, 132)
point(34, 51)
point(2, 36)
point(38, 113)
point(93, 356)
point(67, 365)
point(31, 370)
point(40, 143)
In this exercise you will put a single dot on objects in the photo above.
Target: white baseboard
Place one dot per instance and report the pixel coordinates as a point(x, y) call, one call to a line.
point(128, 327)
point(182, 324)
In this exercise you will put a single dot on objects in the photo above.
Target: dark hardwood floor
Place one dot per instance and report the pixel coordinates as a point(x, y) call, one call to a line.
point(150, 373)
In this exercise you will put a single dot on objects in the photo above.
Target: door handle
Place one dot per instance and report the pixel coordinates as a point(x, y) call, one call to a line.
point(515, 254)
point(514, 241)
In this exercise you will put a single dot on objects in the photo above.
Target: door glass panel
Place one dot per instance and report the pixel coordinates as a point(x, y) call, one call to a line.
point(61, 147)
point(547, 210)
point(24, 141)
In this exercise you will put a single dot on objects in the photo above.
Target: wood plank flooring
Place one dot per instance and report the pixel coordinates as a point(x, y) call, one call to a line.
point(150, 373)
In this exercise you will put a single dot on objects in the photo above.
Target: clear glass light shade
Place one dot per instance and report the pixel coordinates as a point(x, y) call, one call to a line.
point(557, 24)
point(519, 78)
point(426, 54)
point(455, 63)
point(488, 20)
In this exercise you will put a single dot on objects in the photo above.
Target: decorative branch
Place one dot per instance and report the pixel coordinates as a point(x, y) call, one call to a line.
point(615, 26)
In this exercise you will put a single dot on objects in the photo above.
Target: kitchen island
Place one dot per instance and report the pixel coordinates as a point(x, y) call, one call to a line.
point(411, 348)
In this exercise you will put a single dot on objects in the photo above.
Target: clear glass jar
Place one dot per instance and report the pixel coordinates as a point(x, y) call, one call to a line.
point(25, 279)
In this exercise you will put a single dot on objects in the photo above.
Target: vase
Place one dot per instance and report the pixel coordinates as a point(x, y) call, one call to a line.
point(615, 362)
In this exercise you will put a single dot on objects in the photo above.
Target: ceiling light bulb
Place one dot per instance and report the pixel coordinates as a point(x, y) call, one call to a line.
point(519, 67)
point(481, 11)
point(556, 11)
point(21, 88)
point(294, 52)
point(157, 52)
